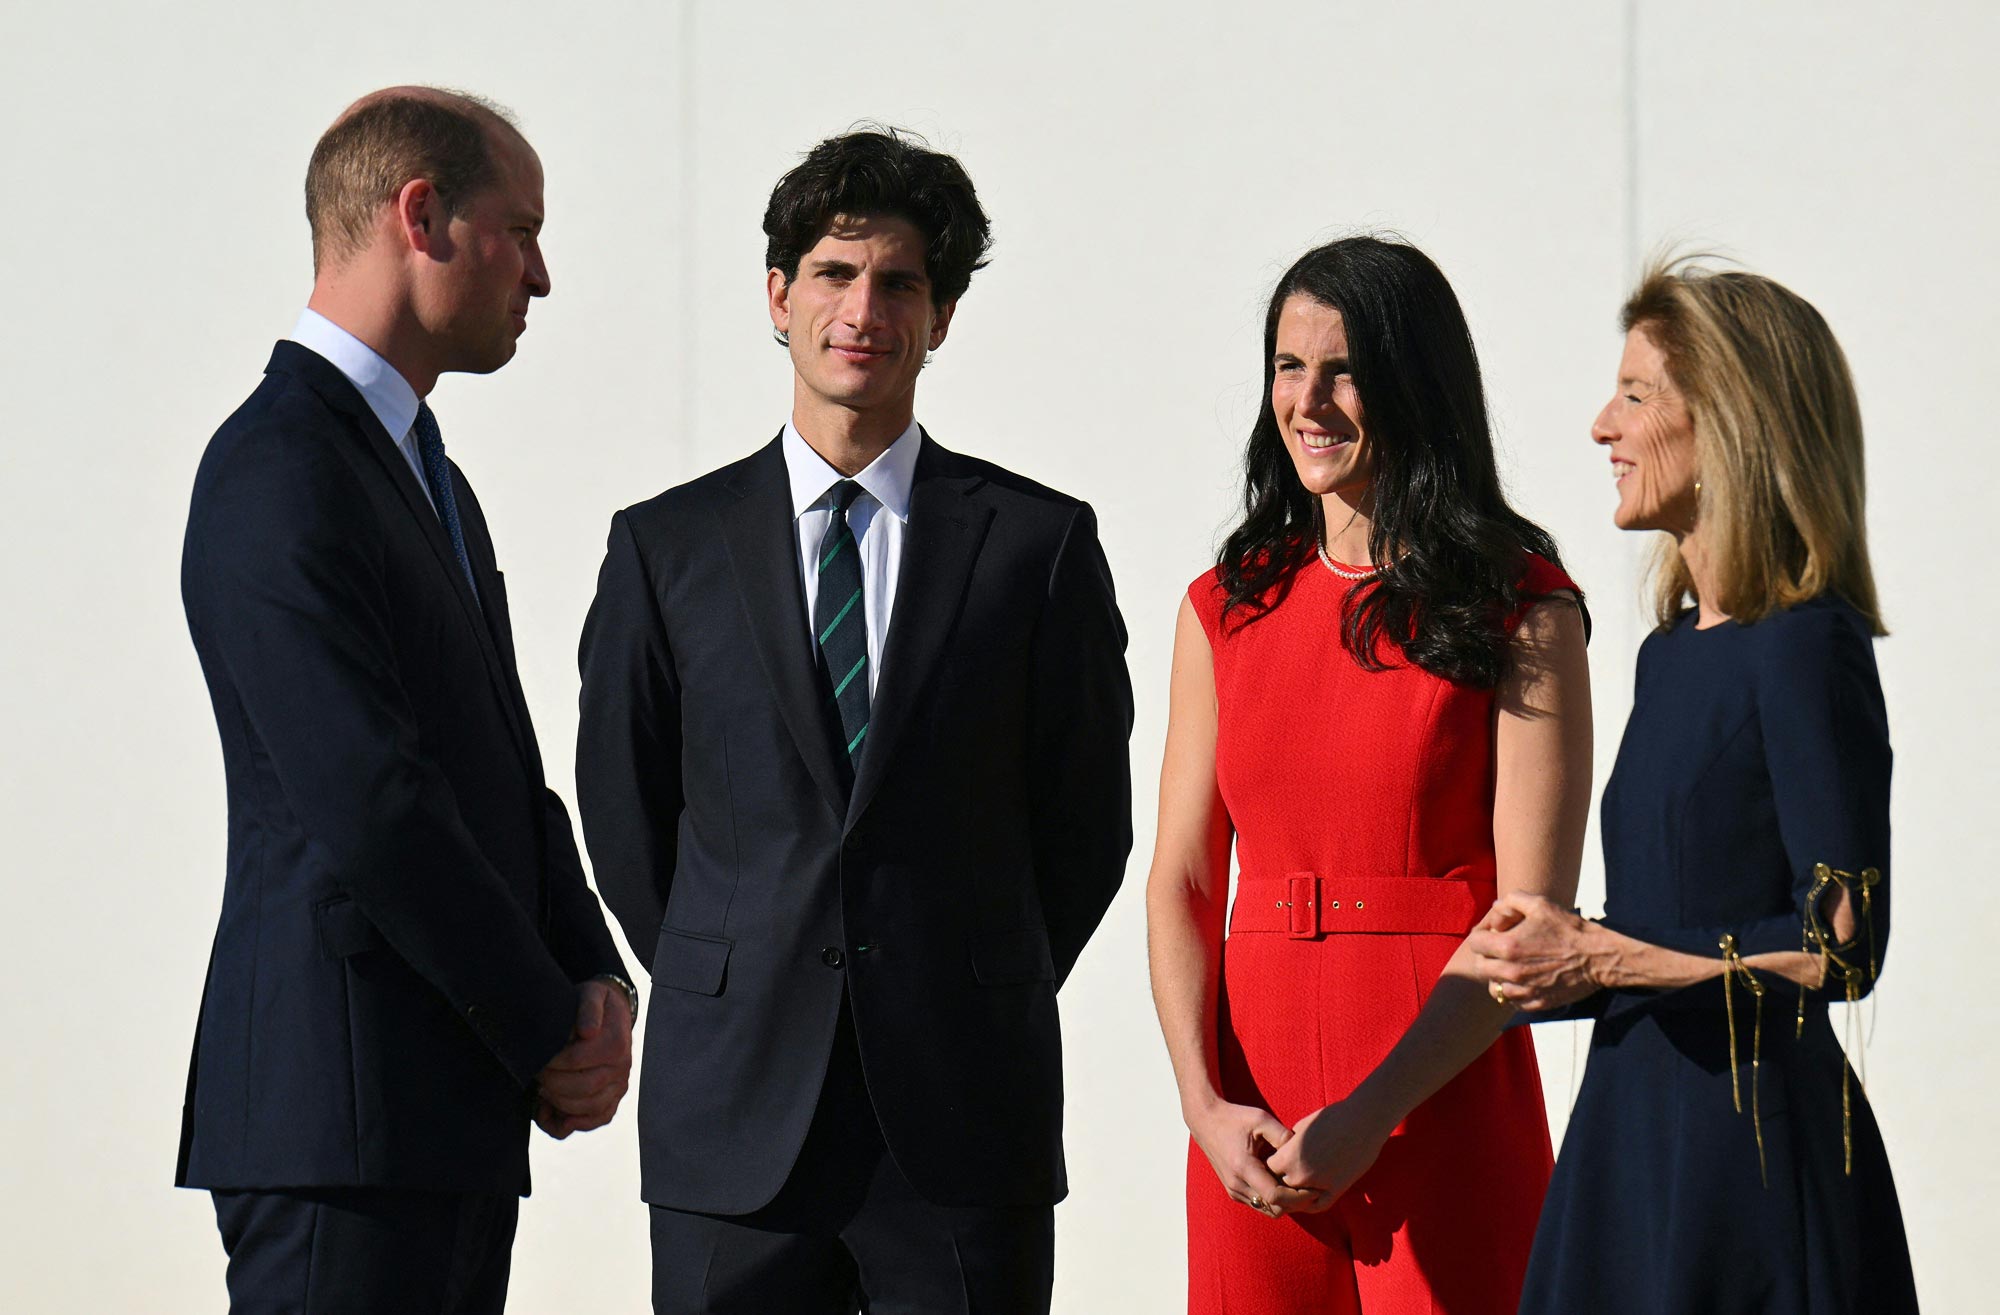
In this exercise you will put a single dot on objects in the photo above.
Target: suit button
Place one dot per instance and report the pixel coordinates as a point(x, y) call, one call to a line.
point(856, 839)
point(832, 957)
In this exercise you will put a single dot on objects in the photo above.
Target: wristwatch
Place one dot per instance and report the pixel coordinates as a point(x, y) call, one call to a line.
point(631, 992)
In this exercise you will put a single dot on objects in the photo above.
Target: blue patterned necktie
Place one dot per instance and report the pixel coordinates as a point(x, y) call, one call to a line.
point(437, 473)
point(839, 623)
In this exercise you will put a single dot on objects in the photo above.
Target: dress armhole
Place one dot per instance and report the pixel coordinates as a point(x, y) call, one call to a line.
point(1207, 597)
point(1541, 580)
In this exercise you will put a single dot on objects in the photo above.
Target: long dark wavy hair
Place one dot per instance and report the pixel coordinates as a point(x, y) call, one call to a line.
point(1440, 517)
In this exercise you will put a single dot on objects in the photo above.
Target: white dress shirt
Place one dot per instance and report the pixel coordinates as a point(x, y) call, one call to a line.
point(387, 393)
point(879, 517)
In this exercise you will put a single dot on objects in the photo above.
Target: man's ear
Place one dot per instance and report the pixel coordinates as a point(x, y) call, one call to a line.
point(942, 324)
point(778, 293)
point(420, 219)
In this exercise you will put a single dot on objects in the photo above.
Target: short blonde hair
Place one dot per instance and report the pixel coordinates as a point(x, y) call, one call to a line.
point(1777, 431)
point(382, 142)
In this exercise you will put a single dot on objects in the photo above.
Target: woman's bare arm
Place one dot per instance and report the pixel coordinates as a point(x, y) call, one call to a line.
point(1187, 895)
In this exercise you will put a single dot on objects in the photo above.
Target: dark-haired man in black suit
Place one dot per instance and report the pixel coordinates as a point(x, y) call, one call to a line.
point(409, 963)
point(853, 759)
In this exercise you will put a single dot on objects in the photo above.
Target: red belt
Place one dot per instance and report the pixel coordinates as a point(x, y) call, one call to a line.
point(1304, 905)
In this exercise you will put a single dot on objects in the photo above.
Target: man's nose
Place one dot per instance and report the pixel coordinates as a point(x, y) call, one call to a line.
point(536, 275)
point(864, 305)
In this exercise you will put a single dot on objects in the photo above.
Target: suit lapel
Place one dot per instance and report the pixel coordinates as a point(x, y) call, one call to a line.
point(342, 396)
point(763, 554)
point(495, 612)
point(939, 547)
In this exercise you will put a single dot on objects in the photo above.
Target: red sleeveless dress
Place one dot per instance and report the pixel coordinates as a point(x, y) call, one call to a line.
point(1362, 803)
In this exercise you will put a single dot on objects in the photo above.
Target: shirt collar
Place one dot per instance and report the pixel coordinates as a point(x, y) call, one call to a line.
point(387, 393)
point(887, 478)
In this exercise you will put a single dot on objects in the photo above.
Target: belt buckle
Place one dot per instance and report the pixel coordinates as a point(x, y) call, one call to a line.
point(1303, 906)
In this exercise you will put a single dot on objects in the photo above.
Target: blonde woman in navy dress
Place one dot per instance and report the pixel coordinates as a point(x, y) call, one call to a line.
point(1722, 1156)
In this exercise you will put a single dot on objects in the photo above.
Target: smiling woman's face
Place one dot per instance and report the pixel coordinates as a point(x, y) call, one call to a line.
point(1649, 433)
point(1317, 407)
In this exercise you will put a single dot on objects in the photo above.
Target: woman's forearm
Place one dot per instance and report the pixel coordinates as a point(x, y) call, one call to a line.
point(1625, 963)
point(1184, 950)
point(1458, 1022)
point(1620, 962)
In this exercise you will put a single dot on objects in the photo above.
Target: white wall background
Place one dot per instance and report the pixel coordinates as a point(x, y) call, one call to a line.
point(1150, 170)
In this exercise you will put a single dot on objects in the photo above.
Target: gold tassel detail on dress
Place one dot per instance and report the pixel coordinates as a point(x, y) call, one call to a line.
point(1733, 971)
point(1817, 935)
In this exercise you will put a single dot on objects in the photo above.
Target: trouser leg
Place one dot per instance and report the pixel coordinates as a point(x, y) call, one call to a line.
point(363, 1250)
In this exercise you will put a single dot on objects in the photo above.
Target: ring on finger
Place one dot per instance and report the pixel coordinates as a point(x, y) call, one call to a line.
point(1257, 1202)
point(1498, 992)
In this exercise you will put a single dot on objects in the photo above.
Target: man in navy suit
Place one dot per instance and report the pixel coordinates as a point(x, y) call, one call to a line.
point(852, 765)
point(409, 965)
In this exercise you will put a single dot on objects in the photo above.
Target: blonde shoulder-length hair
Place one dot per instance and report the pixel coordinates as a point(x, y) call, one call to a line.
point(1777, 435)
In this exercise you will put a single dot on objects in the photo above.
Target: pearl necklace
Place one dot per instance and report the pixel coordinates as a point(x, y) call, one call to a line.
point(1343, 572)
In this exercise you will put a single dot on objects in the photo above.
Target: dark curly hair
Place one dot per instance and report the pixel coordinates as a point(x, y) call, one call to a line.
point(1439, 515)
point(883, 173)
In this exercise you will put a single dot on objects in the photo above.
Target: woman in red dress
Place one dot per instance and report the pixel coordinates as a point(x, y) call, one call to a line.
point(1380, 696)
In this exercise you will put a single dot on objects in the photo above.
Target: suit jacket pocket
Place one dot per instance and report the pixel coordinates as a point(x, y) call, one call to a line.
point(687, 962)
point(344, 930)
point(1009, 958)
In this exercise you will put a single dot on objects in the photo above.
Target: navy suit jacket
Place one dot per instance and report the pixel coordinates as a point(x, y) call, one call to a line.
point(404, 917)
point(947, 895)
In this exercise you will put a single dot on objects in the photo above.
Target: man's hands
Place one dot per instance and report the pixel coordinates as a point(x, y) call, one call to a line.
point(581, 1087)
point(1238, 1139)
point(1327, 1151)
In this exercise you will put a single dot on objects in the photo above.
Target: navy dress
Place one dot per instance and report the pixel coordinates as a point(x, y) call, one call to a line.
point(1754, 754)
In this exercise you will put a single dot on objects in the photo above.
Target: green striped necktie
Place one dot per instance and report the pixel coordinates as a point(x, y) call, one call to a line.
point(839, 623)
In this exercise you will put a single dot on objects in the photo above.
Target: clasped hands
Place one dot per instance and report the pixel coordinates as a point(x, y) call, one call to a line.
point(581, 1087)
point(1278, 1170)
point(1534, 954)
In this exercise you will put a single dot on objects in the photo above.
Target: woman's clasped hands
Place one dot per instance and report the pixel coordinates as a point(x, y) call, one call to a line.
point(1279, 1170)
point(1329, 1149)
point(1536, 955)
point(1240, 1141)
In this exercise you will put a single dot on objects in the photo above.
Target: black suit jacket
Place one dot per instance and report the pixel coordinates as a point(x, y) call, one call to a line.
point(405, 916)
point(950, 894)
